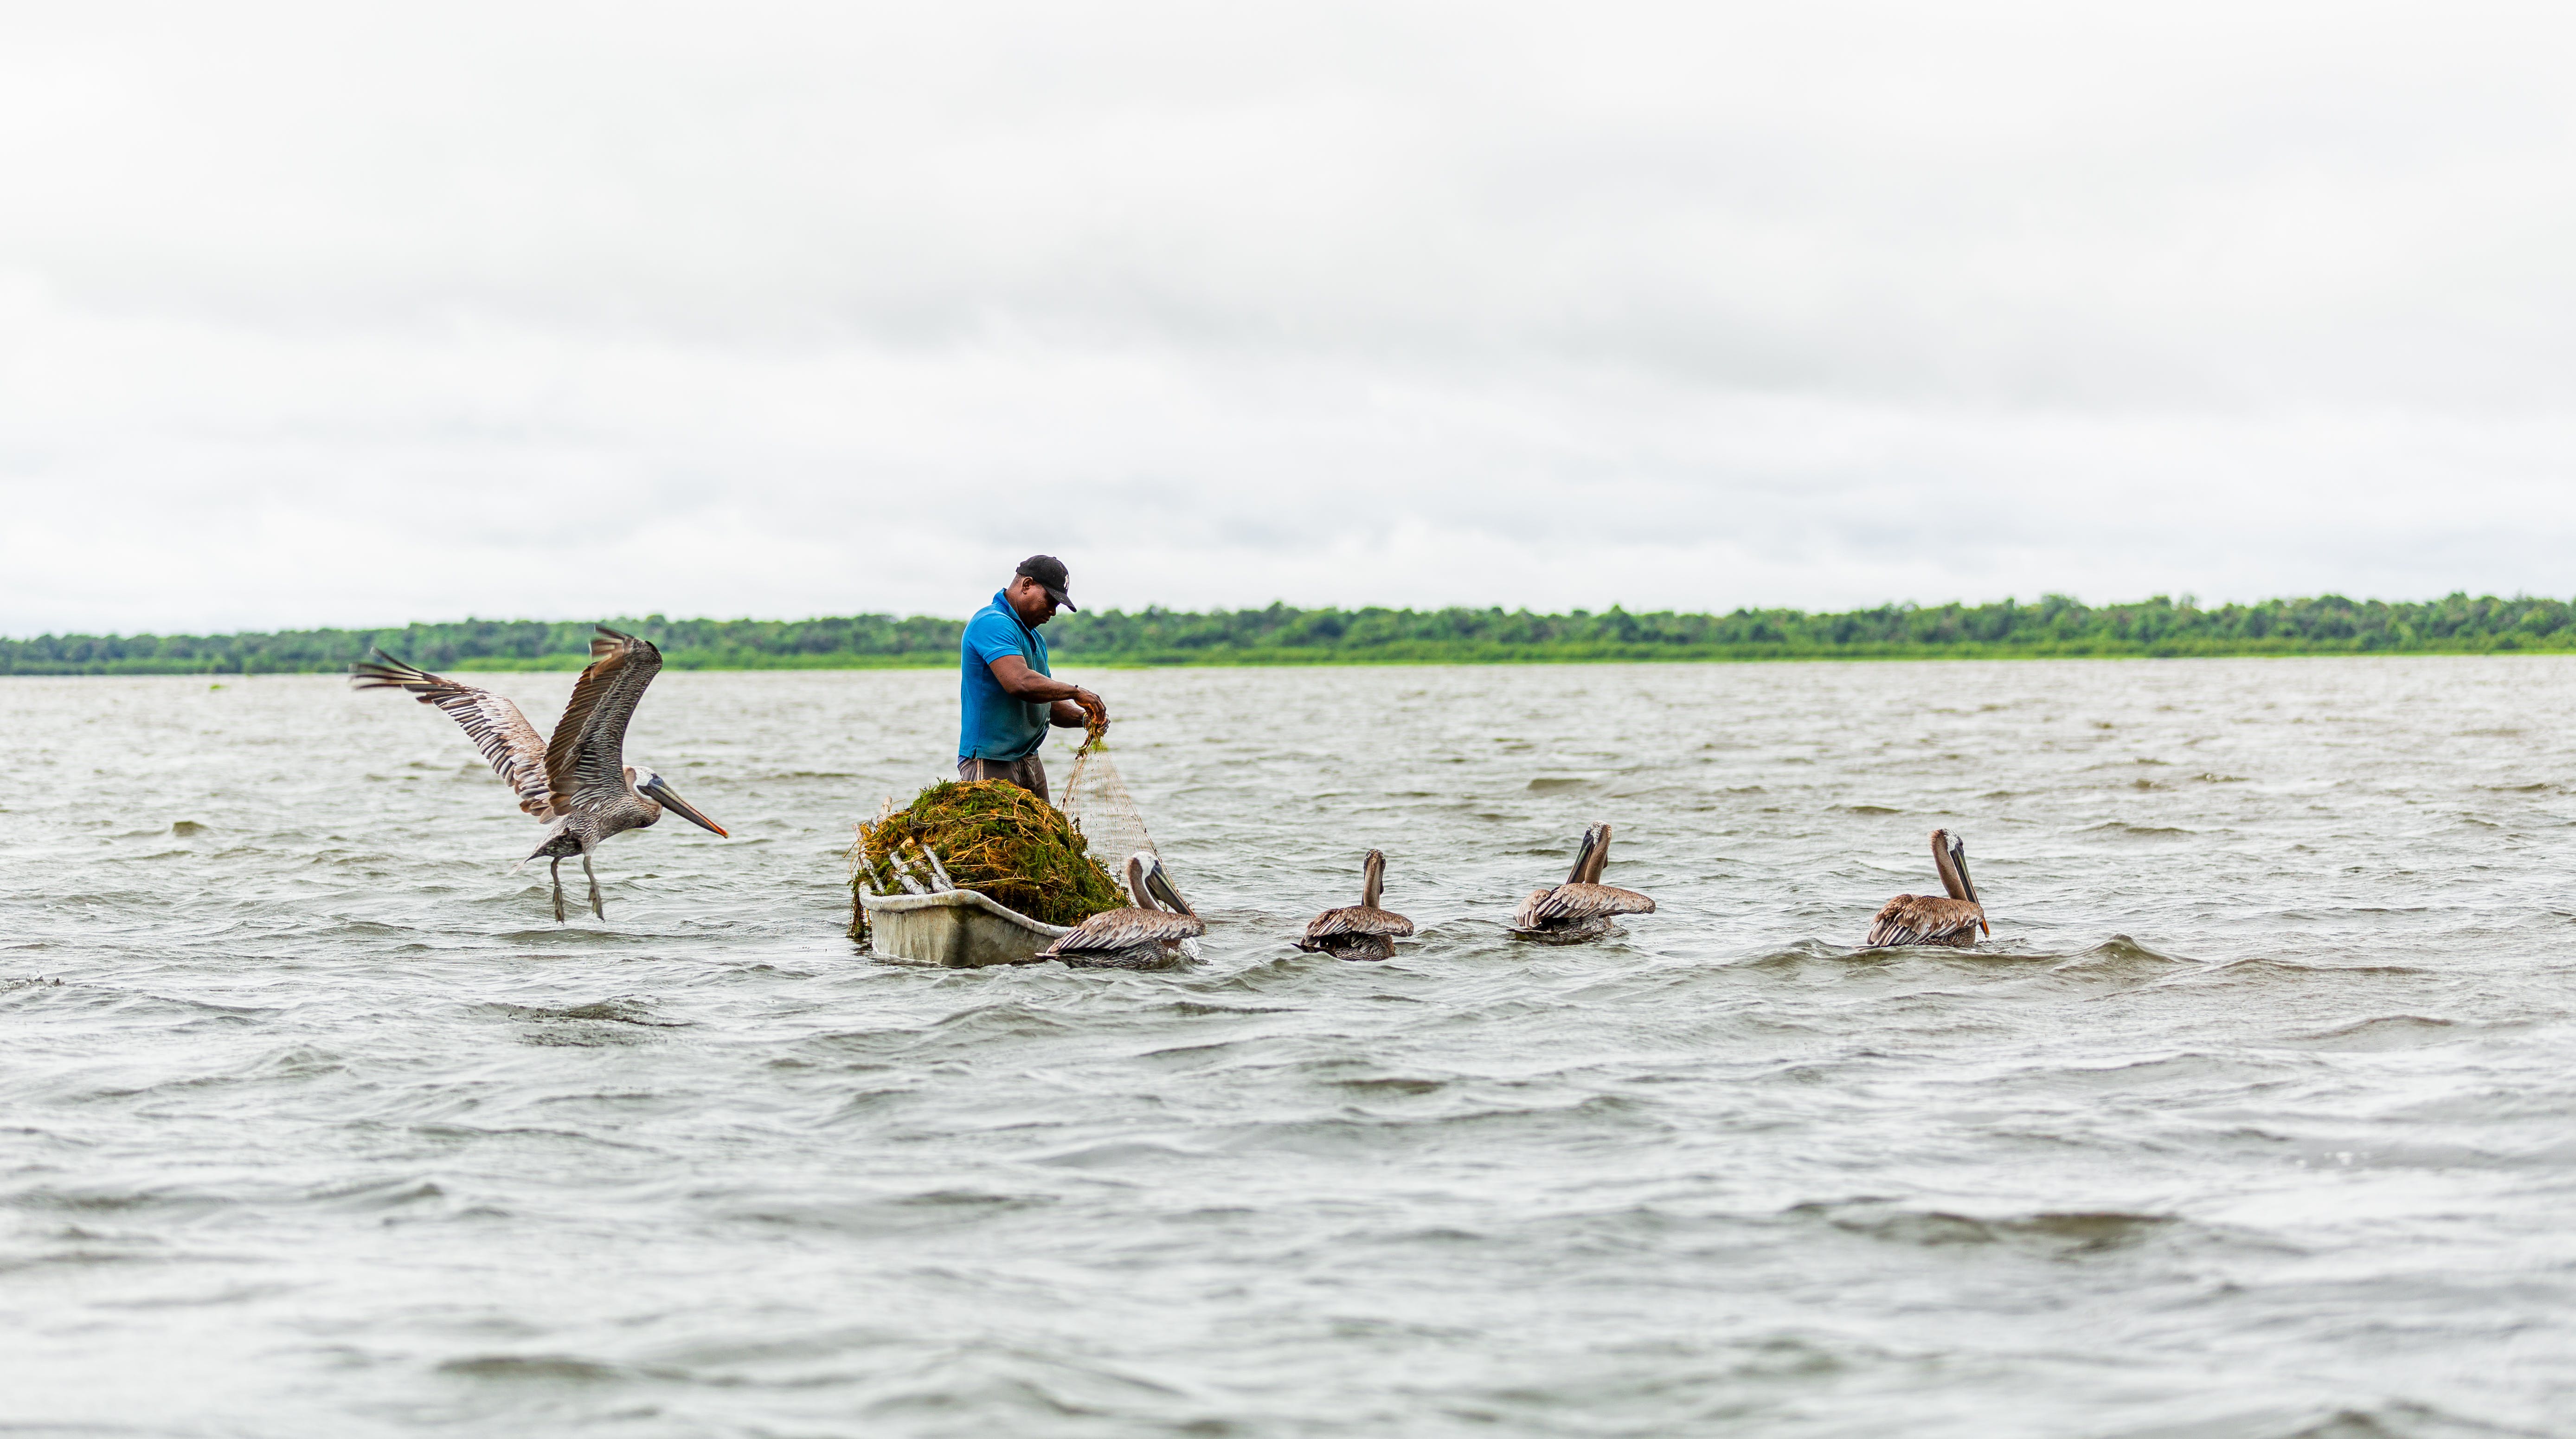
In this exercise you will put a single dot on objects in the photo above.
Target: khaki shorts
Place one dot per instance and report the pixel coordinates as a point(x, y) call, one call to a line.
point(1028, 772)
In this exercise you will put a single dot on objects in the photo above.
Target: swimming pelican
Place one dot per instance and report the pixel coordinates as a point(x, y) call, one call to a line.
point(579, 781)
point(1139, 937)
point(1926, 919)
point(1362, 930)
point(1582, 907)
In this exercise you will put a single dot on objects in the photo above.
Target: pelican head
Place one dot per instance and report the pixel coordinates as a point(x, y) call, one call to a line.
point(1373, 885)
point(653, 787)
point(1150, 887)
point(1591, 856)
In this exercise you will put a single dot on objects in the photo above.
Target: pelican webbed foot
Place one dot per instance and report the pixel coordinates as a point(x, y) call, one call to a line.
point(595, 907)
point(556, 870)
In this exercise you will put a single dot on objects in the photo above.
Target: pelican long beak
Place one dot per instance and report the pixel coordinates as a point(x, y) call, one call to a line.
point(660, 793)
point(1159, 885)
point(1582, 857)
point(1959, 862)
point(1590, 857)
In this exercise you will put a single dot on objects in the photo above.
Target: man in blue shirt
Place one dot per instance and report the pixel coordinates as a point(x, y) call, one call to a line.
point(1006, 697)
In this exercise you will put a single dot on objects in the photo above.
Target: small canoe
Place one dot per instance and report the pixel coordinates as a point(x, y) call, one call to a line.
point(954, 928)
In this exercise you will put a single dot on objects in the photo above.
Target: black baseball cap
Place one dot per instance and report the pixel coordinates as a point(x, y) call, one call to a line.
point(1048, 571)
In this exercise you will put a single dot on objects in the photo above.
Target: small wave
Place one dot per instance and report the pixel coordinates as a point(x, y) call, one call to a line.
point(1390, 1084)
point(1804, 951)
point(1115, 1154)
point(613, 1011)
point(2390, 1031)
point(2125, 829)
point(75, 1259)
point(556, 936)
point(2122, 953)
point(521, 1368)
point(1870, 809)
point(1004, 1021)
point(59, 1201)
point(894, 1213)
point(385, 1194)
point(300, 1062)
point(2304, 973)
point(2058, 1233)
point(1195, 1009)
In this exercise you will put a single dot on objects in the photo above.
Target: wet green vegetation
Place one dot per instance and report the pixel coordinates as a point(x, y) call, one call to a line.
point(991, 836)
point(2055, 626)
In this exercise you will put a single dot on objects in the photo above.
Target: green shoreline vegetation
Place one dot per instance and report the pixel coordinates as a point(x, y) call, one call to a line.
point(2055, 628)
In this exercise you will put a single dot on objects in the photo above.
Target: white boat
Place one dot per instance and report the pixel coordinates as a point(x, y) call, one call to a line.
point(954, 929)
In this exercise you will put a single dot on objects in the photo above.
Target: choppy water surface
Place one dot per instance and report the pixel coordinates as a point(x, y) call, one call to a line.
point(2253, 1120)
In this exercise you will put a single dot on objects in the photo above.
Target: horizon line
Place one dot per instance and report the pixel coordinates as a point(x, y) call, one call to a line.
point(2185, 601)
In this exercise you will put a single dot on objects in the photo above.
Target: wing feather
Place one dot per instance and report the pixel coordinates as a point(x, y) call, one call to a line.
point(1586, 901)
point(1924, 919)
point(1126, 929)
point(588, 751)
point(495, 725)
point(1357, 919)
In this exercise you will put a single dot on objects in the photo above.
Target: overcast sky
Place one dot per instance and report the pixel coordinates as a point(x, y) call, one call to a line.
point(362, 314)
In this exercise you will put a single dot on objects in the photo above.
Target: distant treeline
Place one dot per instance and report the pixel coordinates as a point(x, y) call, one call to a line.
point(2055, 626)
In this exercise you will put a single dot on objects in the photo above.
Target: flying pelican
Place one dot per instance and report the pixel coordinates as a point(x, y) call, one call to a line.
point(1580, 908)
point(1362, 930)
point(1135, 938)
point(579, 781)
point(1926, 919)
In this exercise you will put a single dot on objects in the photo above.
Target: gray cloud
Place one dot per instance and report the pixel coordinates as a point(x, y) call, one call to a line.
point(311, 316)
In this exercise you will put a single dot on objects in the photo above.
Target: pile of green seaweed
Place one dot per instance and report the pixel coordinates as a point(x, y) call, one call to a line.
point(989, 835)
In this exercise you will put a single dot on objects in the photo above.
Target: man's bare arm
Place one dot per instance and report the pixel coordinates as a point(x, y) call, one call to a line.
point(1073, 705)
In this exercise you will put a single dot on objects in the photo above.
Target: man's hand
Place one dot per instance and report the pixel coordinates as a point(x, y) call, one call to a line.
point(1069, 706)
point(1083, 711)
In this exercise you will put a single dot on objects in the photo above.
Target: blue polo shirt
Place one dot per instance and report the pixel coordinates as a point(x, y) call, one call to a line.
point(992, 722)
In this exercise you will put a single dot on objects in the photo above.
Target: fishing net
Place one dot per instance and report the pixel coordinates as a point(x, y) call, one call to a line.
point(985, 835)
point(1097, 801)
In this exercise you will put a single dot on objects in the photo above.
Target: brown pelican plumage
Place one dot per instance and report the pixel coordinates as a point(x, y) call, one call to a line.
point(1929, 919)
point(1582, 907)
point(1362, 930)
point(1138, 937)
point(579, 782)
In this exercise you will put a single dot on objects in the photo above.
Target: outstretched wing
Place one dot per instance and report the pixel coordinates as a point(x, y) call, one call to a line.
point(494, 724)
point(1569, 902)
point(1126, 929)
point(588, 751)
point(1357, 919)
point(1923, 919)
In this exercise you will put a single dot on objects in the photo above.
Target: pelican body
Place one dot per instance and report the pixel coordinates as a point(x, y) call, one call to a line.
point(1139, 937)
point(1362, 930)
point(1582, 907)
point(578, 782)
point(1929, 919)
